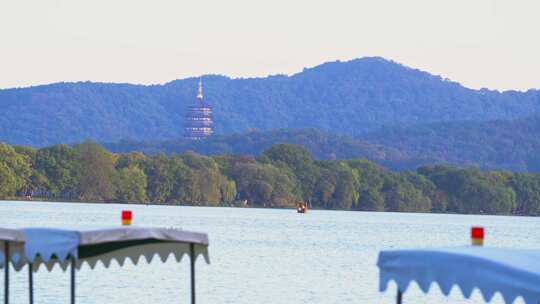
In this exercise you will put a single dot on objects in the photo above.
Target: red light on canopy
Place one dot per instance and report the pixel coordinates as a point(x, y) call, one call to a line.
point(477, 236)
point(127, 216)
point(477, 232)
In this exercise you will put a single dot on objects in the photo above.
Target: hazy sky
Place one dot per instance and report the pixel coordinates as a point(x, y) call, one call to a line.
point(480, 43)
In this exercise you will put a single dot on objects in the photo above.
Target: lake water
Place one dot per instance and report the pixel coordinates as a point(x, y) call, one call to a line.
point(259, 255)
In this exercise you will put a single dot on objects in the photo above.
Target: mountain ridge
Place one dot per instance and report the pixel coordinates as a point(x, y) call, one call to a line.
point(306, 69)
point(348, 98)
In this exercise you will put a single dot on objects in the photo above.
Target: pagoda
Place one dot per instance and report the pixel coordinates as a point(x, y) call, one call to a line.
point(198, 119)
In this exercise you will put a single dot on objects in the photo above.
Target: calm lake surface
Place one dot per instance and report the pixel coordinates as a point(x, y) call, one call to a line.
point(259, 255)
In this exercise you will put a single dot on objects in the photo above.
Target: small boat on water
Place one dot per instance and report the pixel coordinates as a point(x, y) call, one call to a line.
point(301, 207)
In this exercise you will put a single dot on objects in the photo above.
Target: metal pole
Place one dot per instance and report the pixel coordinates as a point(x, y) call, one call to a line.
point(192, 257)
point(31, 283)
point(72, 280)
point(6, 272)
point(399, 297)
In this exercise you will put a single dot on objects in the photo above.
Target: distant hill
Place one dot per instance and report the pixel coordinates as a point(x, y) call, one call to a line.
point(510, 145)
point(347, 98)
point(321, 145)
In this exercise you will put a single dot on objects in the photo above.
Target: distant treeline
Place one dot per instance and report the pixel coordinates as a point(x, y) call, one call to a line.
point(282, 175)
point(499, 144)
point(502, 145)
point(321, 145)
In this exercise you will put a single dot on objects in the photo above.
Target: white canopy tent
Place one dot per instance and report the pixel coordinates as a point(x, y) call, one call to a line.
point(34, 247)
point(511, 272)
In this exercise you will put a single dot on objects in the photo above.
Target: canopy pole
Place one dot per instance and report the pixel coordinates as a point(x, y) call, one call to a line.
point(72, 279)
point(31, 283)
point(6, 272)
point(192, 258)
point(399, 297)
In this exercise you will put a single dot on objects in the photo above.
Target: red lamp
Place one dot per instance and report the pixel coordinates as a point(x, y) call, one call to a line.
point(477, 236)
point(127, 217)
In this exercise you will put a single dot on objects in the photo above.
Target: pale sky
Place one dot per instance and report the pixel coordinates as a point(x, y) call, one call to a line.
point(479, 43)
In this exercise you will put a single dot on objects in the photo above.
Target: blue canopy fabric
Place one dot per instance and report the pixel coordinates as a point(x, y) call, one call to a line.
point(510, 272)
point(47, 242)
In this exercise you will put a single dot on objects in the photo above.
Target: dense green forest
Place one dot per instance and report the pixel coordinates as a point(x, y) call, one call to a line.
point(346, 98)
point(280, 176)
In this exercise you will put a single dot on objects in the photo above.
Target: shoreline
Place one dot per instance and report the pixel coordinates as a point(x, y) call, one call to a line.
point(22, 200)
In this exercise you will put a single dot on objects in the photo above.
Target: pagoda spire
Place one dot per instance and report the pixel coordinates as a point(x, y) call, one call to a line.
point(199, 93)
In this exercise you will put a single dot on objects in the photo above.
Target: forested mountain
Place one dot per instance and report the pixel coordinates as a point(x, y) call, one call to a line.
point(347, 98)
point(322, 145)
point(510, 145)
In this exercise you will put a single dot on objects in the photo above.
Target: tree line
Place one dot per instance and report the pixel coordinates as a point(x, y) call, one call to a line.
point(279, 177)
point(498, 144)
point(502, 144)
